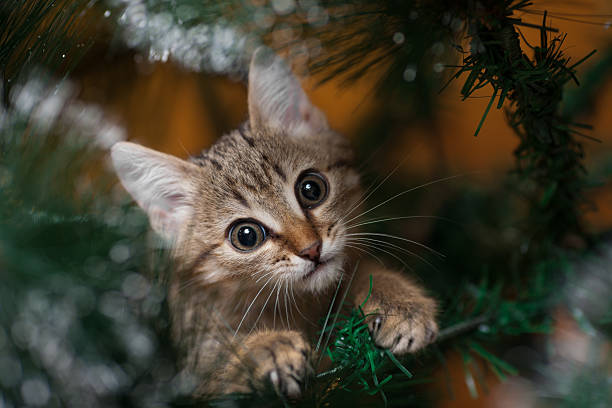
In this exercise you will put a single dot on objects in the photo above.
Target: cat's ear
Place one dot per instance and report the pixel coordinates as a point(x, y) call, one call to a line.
point(276, 98)
point(159, 183)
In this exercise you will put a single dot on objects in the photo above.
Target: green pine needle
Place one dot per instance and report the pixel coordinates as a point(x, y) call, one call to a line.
point(353, 351)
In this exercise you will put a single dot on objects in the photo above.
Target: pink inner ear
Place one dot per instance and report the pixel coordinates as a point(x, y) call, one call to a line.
point(163, 222)
point(312, 116)
point(305, 112)
point(176, 198)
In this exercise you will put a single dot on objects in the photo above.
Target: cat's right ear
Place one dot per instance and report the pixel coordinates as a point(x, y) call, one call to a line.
point(159, 183)
point(277, 100)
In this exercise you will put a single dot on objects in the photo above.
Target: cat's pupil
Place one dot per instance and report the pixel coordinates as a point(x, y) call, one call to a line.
point(311, 190)
point(247, 236)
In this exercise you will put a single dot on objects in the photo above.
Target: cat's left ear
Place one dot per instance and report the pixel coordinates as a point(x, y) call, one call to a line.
point(276, 98)
point(159, 183)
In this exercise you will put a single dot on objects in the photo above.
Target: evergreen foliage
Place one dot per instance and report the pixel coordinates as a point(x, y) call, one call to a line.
point(82, 313)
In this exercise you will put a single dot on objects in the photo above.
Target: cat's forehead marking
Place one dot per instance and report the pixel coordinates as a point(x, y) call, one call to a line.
point(240, 198)
point(279, 171)
point(215, 163)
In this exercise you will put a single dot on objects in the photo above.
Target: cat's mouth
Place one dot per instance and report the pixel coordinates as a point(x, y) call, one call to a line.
point(317, 267)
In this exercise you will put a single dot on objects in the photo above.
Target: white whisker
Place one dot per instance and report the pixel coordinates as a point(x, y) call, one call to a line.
point(346, 292)
point(362, 199)
point(380, 234)
point(289, 299)
point(264, 307)
point(296, 303)
point(399, 248)
point(375, 221)
point(263, 276)
point(329, 311)
point(251, 305)
point(276, 304)
point(287, 304)
point(405, 192)
point(364, 251)
point(377, 247)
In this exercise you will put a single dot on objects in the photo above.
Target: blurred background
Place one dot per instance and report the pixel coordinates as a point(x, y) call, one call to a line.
point(170, 75)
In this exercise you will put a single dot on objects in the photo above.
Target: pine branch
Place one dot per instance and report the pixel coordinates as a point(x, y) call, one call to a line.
point(461, 328)
point(548, 153)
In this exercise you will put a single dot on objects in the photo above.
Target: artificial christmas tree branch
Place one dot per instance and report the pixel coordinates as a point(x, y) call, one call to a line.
point(457, 329)
point(548, 153)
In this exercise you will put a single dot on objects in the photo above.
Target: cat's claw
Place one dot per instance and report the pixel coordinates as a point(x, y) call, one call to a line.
point(401, 331)
point(290, 372)
point(281, 359)
point(286, 384)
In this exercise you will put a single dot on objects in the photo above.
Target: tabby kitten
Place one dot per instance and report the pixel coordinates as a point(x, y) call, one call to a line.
point(258, 228)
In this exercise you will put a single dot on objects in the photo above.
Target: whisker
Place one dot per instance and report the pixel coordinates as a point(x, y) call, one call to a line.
point(440, 180)
point(263, 307)
point(380, 234)
point(329, 311)
point(346, 291)
point(362, 199)
point(377, 247)
point(402, 249)
point(275, 304)
point(374, 221)
point(286, 304)
point(289, 299)
point(251, 305)
point(364, 251)
point(295, 303)
point(263, 276)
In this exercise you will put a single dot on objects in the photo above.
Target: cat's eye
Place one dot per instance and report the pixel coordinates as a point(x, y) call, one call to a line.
point(246, 235)
point(311, 189)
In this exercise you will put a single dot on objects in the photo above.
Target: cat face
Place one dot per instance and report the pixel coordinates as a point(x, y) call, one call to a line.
point(265, 204)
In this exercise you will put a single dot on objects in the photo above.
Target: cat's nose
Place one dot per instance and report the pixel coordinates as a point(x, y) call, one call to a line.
point(312, 252)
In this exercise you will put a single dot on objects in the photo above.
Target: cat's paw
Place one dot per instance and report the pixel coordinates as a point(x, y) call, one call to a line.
point(402, 327)
point(280, 359)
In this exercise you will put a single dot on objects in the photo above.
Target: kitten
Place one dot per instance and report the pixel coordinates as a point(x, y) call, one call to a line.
point(258, 227)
